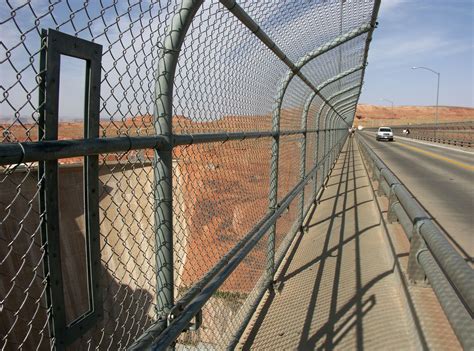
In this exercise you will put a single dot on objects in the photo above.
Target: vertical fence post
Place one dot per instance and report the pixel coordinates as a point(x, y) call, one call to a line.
point(316, 158)
point(330, 143)
point(304, 126)
point(327, 143)
point(273, 199)
point(334, 141)
point(162, 163)
point(273, 191)
point(319, 136)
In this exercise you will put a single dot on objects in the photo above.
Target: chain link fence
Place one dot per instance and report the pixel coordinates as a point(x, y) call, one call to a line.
point(157, 159)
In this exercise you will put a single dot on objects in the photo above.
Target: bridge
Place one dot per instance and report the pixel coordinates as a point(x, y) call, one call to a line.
point(181, 175)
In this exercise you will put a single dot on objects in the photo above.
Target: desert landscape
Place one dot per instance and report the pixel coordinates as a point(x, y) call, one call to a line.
point(220, 192)
point(374, 116)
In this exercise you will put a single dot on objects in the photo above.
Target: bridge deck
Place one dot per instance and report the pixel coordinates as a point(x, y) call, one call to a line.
point(338, 288)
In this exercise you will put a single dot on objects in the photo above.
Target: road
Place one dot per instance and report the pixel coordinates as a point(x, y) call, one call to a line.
point(441, 178)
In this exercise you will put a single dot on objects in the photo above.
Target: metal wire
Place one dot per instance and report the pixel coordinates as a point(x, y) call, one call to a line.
point(227, 80)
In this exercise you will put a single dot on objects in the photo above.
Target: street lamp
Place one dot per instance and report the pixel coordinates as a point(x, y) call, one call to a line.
point(437, 94)
point(393, 113)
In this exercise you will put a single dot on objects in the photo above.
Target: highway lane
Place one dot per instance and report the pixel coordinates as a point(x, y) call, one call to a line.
point(441, 179)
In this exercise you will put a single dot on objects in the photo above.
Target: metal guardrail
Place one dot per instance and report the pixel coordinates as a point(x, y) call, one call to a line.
point(454, 133)
point(207, 131)
point(431, 256)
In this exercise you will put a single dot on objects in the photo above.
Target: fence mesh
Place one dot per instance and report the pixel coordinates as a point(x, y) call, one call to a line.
point(227, 80)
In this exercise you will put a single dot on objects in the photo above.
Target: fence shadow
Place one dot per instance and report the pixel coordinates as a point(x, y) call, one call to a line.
point(334, 312)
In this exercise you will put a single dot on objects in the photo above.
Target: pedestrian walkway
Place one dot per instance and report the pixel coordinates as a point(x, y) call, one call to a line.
point(338, 289)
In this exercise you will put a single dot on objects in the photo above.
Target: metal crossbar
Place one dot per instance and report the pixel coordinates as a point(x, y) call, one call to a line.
point(158, 158)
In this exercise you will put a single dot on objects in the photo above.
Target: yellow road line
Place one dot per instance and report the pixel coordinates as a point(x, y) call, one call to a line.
point(442, 158)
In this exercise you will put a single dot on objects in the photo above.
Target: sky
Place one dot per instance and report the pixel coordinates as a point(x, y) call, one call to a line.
point(437, 34)
point(434, 33)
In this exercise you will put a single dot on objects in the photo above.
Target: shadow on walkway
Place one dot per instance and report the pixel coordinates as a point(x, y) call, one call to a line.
point(337, 288)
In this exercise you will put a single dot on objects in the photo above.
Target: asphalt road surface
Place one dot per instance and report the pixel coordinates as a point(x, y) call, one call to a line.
point(441, 178)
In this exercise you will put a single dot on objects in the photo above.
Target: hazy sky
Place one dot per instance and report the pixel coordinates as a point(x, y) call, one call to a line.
point(438, 34)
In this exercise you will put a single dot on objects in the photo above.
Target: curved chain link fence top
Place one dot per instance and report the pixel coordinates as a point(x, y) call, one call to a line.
point(227, 80)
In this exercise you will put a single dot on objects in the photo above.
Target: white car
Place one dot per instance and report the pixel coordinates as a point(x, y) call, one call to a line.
point(384, 133)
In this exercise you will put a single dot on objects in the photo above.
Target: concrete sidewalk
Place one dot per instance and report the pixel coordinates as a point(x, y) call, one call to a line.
point(338, 289)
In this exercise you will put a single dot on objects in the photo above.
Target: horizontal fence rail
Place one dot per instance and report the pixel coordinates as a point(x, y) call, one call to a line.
point(431, 255)
point(158, 159)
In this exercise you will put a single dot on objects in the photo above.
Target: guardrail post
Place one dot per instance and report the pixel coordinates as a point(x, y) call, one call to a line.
point(414, 270)
point(380, 180)
point(392, 200)
point(372, 168)
point(375, 172)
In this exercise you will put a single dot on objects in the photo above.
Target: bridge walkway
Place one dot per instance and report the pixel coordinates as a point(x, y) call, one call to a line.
point(338, 288)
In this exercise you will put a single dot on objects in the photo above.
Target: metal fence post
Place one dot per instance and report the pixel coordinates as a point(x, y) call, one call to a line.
point(273, 191)
point(331, 142)
point(162, 162)
point(316, 156)
point(304, 126)
point(328, 143)
point(318, 160)
point(325, 148)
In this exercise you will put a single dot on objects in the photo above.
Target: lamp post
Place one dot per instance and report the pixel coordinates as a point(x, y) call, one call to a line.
point(437, 94)
point(393, 113)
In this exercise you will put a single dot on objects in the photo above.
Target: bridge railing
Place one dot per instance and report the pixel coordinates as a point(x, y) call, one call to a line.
point(453, 133)
point(431, 256)
point(158, 158)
